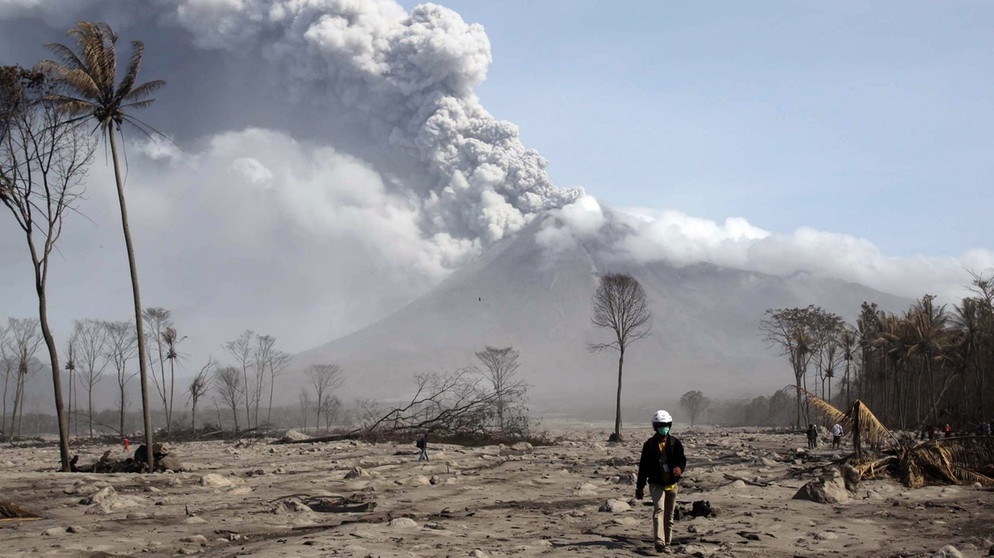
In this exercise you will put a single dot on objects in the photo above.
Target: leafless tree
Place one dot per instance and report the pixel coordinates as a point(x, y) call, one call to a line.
point(269, 363)
point(304, 400)
point(228, 385)
point(620, 305)
point(8, 365)
point(156, 321)
point(199, 386)
point(325, 379)
point(122, 346)
point(801, 334)
point(25, 338)
point(90, 339)
point(241, 350)
point(500, 368)
point(695, 403)
point(332, 405)
point(43, 158)
point(276, 362)
point(451, 402)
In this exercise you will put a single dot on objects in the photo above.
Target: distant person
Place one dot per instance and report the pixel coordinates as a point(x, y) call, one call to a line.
point(836, 436)
point(947, 431)
point(423, 446)
point(127, 444)
point(661, 465)
point(988, 426)
point(932, 433)
point(812, 437)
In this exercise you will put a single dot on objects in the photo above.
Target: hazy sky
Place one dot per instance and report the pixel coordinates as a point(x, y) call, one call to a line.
point(332, 159)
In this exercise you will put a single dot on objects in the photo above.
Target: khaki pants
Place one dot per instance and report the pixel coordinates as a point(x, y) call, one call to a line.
point(663, 504)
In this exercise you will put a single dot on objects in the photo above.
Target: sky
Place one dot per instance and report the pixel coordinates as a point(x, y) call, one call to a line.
point(328, 161)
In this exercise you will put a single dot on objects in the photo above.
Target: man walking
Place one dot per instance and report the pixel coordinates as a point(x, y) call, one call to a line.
point(661, 465)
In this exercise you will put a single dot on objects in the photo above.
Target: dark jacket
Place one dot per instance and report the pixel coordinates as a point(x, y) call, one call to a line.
point(651, 462)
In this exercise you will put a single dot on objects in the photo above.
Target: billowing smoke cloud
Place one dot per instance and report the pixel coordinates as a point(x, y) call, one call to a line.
point(412, 77)
point(677, 238)
point(409, 79)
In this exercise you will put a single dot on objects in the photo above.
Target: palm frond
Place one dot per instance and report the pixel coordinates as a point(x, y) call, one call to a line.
point(871, 429)
point(826, 409)
point(974, 452)
point(67, 58)
point(12, 512)
point(144, 90)
point(864, 426)
point(131, 74)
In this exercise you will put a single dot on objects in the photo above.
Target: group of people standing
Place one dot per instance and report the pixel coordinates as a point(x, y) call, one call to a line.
point(836, 436)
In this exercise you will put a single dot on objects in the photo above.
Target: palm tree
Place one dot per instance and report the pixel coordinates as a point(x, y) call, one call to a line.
point(88, 88)
point(928, 337)
point(848, 342)
point(171, 339)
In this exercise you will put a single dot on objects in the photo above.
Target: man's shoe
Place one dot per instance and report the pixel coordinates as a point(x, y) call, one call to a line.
point(660, 547)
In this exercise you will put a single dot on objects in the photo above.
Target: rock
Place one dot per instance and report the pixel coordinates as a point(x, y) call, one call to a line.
point(53, 532)
point(586, 488)
point(826, 536)
point(830, 489)
point(477, 553)
point(357, 472)
point(105, 494)
point(615, 506)
point(403, 523)
point(107, 500)
point(948, 551)
point(170, 463)
point(214, 480)
point(294, 436)
point(199, 539)
point(521, 446)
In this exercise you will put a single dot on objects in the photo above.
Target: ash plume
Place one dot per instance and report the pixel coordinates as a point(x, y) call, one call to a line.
point(412, 78)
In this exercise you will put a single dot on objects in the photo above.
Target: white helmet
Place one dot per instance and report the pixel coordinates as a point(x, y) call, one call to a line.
point(661, 416)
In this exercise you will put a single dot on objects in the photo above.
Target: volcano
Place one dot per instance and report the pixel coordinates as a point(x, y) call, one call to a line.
point(525, 293)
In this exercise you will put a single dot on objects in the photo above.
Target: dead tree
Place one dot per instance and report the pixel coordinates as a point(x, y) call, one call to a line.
point(620, 305)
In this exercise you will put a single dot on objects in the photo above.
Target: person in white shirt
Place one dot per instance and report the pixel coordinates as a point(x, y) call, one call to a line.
point(837, 436)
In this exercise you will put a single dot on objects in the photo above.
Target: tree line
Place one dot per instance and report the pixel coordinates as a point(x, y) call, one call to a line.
point(925, 366)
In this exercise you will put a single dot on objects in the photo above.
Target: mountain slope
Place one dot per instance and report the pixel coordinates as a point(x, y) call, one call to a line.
point(520, 293)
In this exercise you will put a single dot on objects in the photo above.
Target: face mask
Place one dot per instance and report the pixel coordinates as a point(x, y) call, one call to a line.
point(663, 430)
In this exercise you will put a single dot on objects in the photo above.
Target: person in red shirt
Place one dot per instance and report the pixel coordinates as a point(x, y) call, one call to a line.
point(948, 431)
point(127, 444)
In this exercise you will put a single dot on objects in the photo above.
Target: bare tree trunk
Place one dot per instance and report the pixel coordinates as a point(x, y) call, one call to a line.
point(60, 410)
point(133, 267)
point(617, 413)
point(89, 408)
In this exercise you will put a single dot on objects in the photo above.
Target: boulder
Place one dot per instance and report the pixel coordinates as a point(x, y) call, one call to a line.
point(294, 436)
point(615, 506)
point(829, 489)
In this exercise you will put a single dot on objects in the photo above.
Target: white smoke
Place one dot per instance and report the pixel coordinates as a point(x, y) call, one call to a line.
point(412, 78)
point(679, 239)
